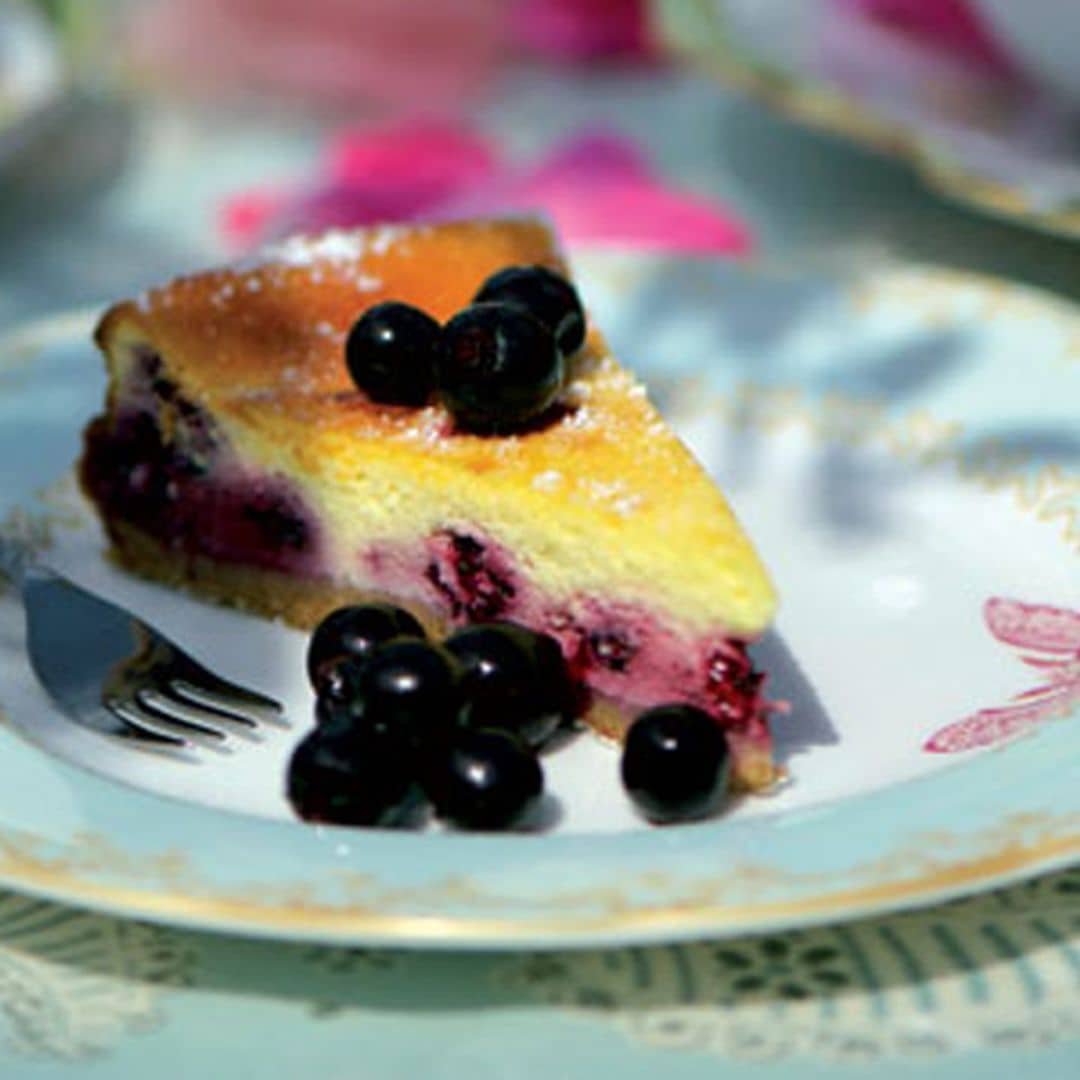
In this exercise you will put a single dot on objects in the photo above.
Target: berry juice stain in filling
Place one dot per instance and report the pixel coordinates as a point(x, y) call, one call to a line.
point(256, 520)
point(633, 656)
point(472, 579)
point(611, 649)
point(161, 465)
point(733, 686)
point(616, 649)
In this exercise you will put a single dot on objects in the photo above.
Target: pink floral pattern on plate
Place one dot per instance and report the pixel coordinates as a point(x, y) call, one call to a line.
point(1051, 638)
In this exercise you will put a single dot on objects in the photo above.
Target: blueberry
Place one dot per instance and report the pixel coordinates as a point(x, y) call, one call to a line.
point(675, 763)
point(512, 680)
point(546, 296)
point(390, 353)
point(358, 777)
point(336, 714)
point(414, 687)
point(498, 368)
point(340, 705)
point(484, 780)
point(354, 632)
point(553, 673)
point(337, 687)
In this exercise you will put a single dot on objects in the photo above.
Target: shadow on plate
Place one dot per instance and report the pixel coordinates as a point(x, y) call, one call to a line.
point(808, 724)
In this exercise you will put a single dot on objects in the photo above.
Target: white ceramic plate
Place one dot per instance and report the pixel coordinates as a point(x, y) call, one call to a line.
point(912, 484)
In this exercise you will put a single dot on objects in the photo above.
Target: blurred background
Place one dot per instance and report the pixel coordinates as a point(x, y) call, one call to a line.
point(140, 138)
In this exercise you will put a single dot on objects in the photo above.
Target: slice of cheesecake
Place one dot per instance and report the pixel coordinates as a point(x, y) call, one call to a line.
point(235, 457)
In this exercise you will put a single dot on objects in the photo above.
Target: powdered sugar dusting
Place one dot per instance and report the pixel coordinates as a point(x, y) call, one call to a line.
point(614, 496)
point(222, 294)
point(580, 419)
point(547, 481)
point(335, 245)
point(578, 391)
point(382, 238)
point(337, 253)
point(428, 426)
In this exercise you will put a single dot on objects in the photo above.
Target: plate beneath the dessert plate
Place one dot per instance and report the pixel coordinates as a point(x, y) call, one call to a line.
point(903, 449)
point(949, 100)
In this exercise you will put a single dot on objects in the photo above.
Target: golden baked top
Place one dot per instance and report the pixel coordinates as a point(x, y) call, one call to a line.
point(261, 346)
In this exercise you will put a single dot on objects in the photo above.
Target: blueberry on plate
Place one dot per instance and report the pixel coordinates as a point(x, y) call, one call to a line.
point(337, 689)
point(390, 353)
point(354, 632)
point(513, 678)
point(340, 706)
point(675, 763)
point(483, 780)
point(498, 368)
point(545, 295)
point(414, 687)
point(361, 776)
point(553, 675)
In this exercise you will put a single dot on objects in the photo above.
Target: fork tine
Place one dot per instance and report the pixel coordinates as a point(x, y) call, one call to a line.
point(226, 706)
point(227, 695)
point(133, 726)
point(163, 708)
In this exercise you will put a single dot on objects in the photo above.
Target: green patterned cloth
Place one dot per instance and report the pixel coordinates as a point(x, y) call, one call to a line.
point(939, 989)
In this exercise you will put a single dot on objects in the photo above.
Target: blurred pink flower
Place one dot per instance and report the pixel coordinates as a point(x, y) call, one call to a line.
point(582, 29)
point(383, 52)
point(597, 188)
point(430, 55)
point(949, 25)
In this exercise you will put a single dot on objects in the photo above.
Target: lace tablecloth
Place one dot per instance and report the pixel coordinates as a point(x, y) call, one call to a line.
point(983, 987)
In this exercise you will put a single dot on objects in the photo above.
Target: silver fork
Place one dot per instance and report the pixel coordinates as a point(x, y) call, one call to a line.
point(114, 674)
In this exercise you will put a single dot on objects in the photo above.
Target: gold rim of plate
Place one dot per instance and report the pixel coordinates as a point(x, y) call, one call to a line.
point(304, 917)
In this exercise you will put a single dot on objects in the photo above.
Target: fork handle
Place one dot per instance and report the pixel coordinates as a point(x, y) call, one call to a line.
point(16, 558)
